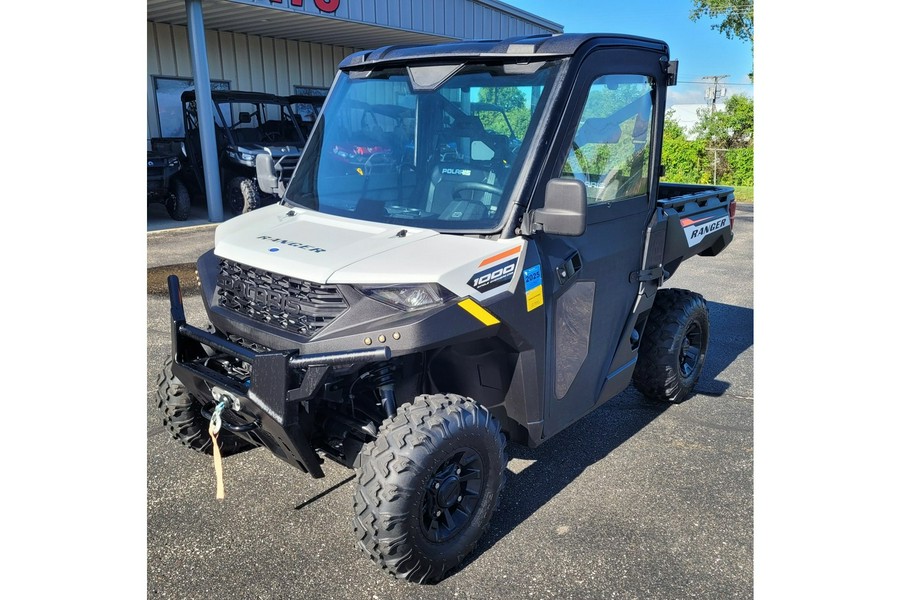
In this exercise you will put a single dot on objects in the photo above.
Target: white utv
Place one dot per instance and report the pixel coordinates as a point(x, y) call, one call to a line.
point(432, 284)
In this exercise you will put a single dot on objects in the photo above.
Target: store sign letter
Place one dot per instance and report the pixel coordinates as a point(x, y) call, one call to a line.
point(324, 5)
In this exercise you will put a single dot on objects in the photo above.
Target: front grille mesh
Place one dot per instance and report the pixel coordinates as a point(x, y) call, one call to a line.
point(294, 305)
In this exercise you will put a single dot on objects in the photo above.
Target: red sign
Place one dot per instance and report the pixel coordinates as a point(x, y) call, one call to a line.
point(328, 6)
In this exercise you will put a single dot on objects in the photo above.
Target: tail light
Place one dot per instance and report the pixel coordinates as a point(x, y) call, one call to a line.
point(732, 210)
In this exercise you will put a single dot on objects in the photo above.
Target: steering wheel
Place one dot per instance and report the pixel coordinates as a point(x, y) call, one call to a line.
point(378, 161)
point(270, 136)
point(476, 186)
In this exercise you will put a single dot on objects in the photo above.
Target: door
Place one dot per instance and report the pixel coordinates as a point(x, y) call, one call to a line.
point(608, 147)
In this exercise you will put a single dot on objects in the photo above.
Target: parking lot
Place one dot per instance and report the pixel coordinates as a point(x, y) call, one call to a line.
point(636, 500)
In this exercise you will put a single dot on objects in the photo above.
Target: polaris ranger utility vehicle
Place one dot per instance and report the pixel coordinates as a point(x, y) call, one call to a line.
point(408, 313)
point(164, 185)
point(247, 124)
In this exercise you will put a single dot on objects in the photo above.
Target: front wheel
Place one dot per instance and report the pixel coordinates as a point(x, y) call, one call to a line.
point(182, 417)
point(428, 485)
point(673, 350)
point(178, 204)
point(243, 195)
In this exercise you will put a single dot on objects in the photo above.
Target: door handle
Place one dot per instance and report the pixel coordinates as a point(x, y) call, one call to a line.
point(569, 268)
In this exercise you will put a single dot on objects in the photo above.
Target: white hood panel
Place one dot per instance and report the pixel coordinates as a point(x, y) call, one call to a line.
point(309, 245)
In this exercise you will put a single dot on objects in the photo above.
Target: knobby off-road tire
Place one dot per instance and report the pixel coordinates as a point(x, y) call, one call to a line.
point(181, 416)
point(178, 204)
point(427, 486)
point(243, 195)
point(674, 347)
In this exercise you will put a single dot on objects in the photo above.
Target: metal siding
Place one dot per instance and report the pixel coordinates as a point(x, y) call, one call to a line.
point(381, 12)
point(214, 55)
point(446, 23)
point(152, 50)
point(166, 48)
point(182, 51)
point(368, 11)
point(229, 64)
point(269, 65)
point(459, 19)
point(257, 69)
point(504, 26)
point(315, 55)
point(282, 74)
point(242, 58)
point(478, 20)
point(293, 64)
point(417, 15)
point(406, 14)
point(429, 9)
point(354, 11)
point(305, 64)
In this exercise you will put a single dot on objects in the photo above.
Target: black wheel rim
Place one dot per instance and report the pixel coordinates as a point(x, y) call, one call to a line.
point(236, 201)
point(452, 495)
point(691, 349)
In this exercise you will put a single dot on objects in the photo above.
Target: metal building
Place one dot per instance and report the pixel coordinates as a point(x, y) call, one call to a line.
point(293, 46)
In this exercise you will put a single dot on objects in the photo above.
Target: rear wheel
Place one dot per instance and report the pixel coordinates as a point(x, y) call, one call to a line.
point(428, 485)
point(178, 204)
point(674, 347)
point(181, 416)
point(243, 195)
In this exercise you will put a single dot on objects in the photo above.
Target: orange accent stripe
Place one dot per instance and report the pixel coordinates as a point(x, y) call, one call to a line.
point(497, 257)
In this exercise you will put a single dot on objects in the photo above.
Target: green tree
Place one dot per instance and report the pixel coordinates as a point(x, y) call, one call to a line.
point(685, 160)
point(506, 98)
point(736, 17)
point(727, 136)
point(728, 128)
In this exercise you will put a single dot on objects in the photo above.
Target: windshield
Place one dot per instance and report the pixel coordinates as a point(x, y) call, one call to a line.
point(442, 158)
point(259, 123)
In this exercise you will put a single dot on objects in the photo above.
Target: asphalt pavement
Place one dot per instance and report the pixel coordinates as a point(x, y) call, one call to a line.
point(636, 500)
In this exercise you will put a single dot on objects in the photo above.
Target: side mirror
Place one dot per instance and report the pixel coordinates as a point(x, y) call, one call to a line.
point(243, 117)
point(268, 180)
point(564, 211)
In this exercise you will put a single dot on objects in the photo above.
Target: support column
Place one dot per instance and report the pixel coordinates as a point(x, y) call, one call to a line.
point(200, 69)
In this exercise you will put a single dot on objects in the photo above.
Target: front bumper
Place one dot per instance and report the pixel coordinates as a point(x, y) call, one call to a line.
point(270, 408)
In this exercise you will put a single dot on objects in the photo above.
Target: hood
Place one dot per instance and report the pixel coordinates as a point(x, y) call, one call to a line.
point(307, 245)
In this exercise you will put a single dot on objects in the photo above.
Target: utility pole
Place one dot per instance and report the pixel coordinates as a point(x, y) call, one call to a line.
point(713, 93)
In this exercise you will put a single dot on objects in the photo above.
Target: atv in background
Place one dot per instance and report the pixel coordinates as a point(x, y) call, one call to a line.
point(164, 184)
point(247, 124)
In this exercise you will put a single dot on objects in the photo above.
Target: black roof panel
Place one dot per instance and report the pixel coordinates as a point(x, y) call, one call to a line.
point(536, 46)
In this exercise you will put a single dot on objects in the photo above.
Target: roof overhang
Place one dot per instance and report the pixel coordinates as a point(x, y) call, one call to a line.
point(279, 21)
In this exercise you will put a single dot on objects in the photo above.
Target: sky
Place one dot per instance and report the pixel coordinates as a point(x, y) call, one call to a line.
point(700, 50)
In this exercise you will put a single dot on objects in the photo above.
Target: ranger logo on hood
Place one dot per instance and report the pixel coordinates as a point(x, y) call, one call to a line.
point(297, 245)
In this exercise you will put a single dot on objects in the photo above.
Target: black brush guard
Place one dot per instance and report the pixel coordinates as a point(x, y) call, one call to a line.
point(270, 405)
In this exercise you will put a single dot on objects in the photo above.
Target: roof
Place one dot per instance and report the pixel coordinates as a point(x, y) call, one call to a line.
point(359, 24)
point(534, 46)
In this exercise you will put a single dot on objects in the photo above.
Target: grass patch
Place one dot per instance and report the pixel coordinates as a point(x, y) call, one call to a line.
point(743, 193)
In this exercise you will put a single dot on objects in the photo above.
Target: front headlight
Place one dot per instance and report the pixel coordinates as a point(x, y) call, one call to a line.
point(408, 297)
point(243, 157)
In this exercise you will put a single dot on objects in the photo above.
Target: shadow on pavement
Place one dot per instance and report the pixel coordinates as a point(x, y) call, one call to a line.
point(733, 334)
point(564, 457)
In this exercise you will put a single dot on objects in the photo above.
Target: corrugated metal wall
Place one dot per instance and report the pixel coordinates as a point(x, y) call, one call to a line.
point(248, 62)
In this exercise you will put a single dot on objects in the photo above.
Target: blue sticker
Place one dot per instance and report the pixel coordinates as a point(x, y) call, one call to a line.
point(274, 249)
point(532, 277)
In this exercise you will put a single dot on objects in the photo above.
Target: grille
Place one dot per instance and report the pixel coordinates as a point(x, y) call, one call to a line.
point(295, 305)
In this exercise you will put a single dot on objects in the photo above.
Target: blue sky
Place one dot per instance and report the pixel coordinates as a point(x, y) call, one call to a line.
point(699, 50)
